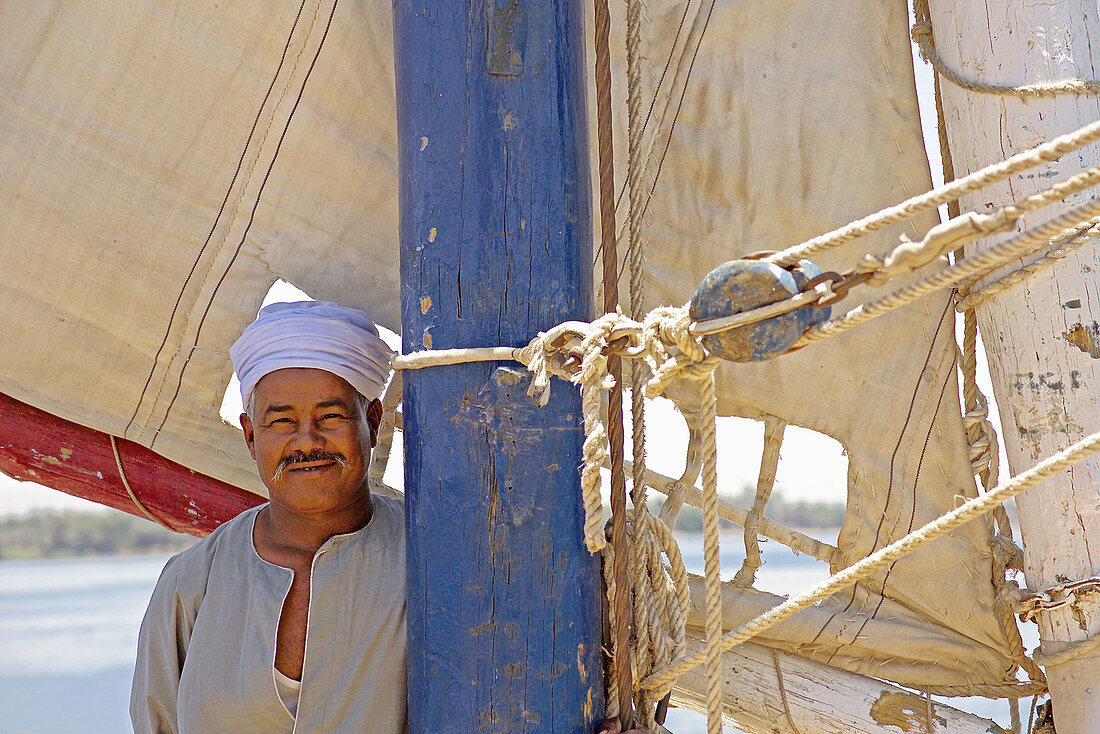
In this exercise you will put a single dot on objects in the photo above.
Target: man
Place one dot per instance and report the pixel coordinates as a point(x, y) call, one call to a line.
point(224, 646)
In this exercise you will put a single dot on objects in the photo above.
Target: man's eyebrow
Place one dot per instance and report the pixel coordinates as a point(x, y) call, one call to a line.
point(330, 403)
point(333, 403)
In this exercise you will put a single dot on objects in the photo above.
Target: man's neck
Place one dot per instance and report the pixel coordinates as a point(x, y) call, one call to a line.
point(282, 532)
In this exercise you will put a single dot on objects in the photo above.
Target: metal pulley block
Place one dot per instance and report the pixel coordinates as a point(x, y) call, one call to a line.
point(742, 285)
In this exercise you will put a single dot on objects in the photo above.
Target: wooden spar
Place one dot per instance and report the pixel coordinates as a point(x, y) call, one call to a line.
point(37, 446)
point(503, 597)
point(820, 698)
point(1041, 337)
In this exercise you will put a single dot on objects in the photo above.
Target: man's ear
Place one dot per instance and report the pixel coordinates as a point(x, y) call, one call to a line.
point(374, 419)
point(249, 434)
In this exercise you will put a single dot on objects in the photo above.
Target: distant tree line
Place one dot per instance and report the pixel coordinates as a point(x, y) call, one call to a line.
point(800, 514)
point(58, 534)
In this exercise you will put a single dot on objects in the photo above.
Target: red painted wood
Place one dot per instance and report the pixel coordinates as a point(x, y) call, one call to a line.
point(39, 447)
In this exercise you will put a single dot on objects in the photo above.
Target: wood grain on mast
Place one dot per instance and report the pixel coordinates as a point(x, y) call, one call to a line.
point(495, 229)
point(1039, 335)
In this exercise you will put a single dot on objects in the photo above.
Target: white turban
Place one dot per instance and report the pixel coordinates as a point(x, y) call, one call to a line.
point(316, 334)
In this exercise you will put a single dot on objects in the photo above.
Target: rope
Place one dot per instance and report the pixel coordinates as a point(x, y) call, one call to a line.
point(591, 379)
point(129, 490)
point(922, 34)
point(988, 690)
point(783, 693)
point(966, 512)
point(661, 598)
point(985, 463)
point(954, 233)
point(611, 365)
point(1066, 652)
point(1063, 246)
point(974, 265)
point(712, 567)
point(653, 647)
point(1048, 151)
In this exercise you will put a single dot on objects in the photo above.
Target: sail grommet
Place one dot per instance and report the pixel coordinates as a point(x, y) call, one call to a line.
point(742, 285)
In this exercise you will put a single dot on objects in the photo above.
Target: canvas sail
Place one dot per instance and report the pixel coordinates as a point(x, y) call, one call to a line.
point(169, 161)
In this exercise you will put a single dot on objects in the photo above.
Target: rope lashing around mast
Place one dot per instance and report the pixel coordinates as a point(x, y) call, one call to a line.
point(922, 35)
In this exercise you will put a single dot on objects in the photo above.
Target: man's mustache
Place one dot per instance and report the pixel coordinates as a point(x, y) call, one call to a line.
point(300, 457)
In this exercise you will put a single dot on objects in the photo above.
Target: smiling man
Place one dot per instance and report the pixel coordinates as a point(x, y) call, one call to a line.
point(291, 616)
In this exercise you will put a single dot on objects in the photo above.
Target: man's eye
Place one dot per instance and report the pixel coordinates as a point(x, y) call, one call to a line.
point(337, 416)
point(280, 421)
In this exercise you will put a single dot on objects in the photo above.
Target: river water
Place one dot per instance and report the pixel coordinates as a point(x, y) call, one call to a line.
point(68, 632)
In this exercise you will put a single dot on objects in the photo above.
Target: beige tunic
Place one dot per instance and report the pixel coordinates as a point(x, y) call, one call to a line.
point(206, 650)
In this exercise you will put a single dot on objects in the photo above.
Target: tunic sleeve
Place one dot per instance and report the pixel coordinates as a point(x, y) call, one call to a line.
point(162, 648)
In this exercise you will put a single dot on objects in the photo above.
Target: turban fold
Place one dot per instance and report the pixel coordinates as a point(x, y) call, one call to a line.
point(316, 334)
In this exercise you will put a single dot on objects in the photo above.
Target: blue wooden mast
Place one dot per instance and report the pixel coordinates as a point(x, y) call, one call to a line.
point(503, 599)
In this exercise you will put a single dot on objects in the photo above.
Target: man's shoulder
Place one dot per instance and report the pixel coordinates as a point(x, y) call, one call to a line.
point(389, 513)
point(189, 570)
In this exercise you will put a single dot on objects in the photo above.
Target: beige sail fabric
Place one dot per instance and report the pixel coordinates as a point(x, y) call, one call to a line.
point(167, 161)
point(792, 119)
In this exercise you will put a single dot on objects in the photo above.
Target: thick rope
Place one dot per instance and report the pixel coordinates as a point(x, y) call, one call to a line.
point(1062, 247)
point(592, 380)
point(611, 363)
point(922, 34)
point(711, 564)
point(988, 690)
point(129, 490)
point(955, 233)
point(661, 599)
point(972, 266)
point(1048, 151)
point(1066, 652)
point(966, 512)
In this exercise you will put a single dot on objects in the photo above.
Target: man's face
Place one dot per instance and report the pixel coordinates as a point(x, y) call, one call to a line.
point(304, 436)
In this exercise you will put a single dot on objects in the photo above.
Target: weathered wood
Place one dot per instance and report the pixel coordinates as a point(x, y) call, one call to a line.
point(821, 699)
point(1042, 337)
point(503, 598)
point(36, 446)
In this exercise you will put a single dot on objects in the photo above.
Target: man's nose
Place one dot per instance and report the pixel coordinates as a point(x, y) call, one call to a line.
point(307, 435)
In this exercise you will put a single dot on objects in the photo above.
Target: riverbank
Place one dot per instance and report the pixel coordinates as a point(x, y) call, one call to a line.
point(68, 534)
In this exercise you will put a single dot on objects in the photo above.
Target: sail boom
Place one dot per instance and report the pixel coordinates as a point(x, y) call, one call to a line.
point(820, 698)
point(40, 447)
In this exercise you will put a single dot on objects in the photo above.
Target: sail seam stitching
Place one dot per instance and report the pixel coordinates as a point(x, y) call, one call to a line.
point(214, 226)
point(251, 220)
